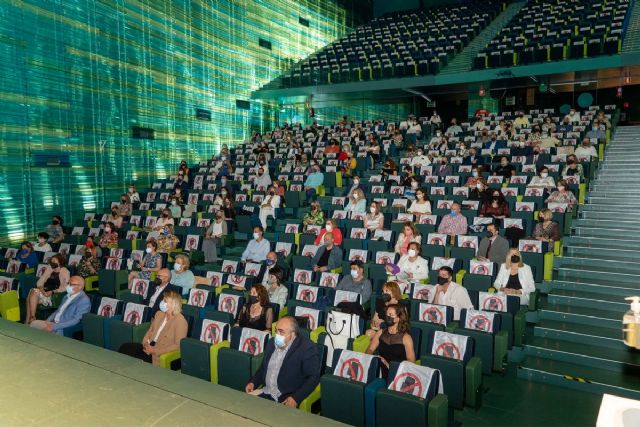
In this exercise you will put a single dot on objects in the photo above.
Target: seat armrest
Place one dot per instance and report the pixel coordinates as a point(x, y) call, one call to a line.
point(473, 382)
point(168, 358)
point(438, 411)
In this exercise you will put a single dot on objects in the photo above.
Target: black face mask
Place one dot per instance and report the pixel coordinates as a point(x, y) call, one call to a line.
point(253, 299)
point(54, 265)
point(55, 222)
point(442, 280)
point(388, 320)
point(158, 281)
point(496, 198)
point(386, 297)
point(515, 259)
point(489, 234)
point(540, 219)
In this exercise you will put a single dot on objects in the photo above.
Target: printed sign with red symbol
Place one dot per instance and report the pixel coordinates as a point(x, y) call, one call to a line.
point(353, 365)
point(437, 239)
point(229, 266)
point(449, 345)
point(140, 287)
point(533, 192)
point(6, 284)
point(484, 268)
point(557, 207)
point(251, 341)
point(433, 313)
point(252, 269)
point(345, 296)
point(307, 293)
point(212, 331)
point(192, 242)
point(228, 303)
point(292, 228)
point(479, 320)
point(358, 255)
point(468, 241)
point(358, 233)
point(216, 277)
point(133, 313)
point(439, 262)
point(310, 313)
point(198, 297)
point(422, 292)
point(310, 250)
point(302, 276)
point(428, 219)
point(534, 246)
point(237, 280)
point(525, 207)
point(492, 302)
point(329, 280)
point(107, 307)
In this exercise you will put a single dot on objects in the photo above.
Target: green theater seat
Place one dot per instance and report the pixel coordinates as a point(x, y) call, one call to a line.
point(238, 363)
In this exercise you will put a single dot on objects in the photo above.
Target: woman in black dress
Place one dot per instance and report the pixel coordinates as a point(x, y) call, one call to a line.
point(257, 313)
point(393, 343)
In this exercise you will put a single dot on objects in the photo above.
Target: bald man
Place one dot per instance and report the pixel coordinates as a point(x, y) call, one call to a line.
point(290, 369)
point(158, 287)
point(73, 306)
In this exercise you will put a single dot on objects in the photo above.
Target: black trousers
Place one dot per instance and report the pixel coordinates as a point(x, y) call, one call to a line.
point(134, 349)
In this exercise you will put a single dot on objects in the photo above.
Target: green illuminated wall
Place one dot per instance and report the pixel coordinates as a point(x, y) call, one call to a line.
point(76, 72)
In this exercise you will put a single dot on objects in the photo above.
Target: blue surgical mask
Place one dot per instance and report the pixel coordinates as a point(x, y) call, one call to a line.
point(354, 273)
point(269, 262)
point(453, 213)
point(69, 289)
point(163, 306)
point(279, 341)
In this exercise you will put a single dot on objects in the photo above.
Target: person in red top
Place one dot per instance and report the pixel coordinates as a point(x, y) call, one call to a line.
point(333, 229)
point(497, 207)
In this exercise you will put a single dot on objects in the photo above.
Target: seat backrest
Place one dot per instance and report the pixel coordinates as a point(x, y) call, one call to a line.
point(355, 366)
point(452, 346)
point(478, 320)
point(210, 331)
point(433, 313)
point(136, 313)
point(200, 297)
point(230, 303)
point(251, 341)
point(416, 380)
point(109, 307)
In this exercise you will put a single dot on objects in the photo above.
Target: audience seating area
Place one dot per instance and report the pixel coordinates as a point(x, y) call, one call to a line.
point(556, 30)
point(398, 45)
point(216, 349)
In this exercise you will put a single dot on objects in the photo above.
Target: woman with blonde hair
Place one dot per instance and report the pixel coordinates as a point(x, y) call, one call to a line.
point(390, 295)
point(167, 329)
point(357, 202)
point(181, 276)
point(547, 230)
point(515, 277)
point(374, 220)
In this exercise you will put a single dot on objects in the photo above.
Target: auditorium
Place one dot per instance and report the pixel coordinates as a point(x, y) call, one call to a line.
point(320, 213)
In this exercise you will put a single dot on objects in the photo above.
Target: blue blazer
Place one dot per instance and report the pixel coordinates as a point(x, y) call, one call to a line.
point(72, 315)
point(300, 372)
point(152, 290)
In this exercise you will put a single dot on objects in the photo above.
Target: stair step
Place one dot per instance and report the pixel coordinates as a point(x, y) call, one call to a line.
point(603, 286)
point(581, 334)
point(585, 252)
point(578, 272)
point(600, 242)
point(617, 223)
point(590, 316)
point(610, 233)
point(612, 359)
point(594, 263)
point(563, 374)
point(580, 298)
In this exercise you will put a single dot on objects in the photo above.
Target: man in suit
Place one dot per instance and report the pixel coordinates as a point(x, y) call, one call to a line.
point(327, 257)
point(273, 260)
point(74, 305)
point(537, 159)
point(444, 169)
point(493, 247)
point(158, 288)
point(290, 370)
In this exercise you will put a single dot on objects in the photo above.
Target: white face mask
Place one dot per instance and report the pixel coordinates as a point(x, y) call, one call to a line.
point(372, 210)
point(173, 203)
point(411, 253)
point(131, 190)
point(177, 266)
point(414, 184)
point(560, 188)
point(544, 175)
point(328, 227)
point(356, 181)
point(479, 186)
point(148, 250)
point(256, 236)
point(355, 196)
point(474, 174)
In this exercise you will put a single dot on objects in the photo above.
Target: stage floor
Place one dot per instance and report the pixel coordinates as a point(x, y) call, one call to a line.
point(47, 380)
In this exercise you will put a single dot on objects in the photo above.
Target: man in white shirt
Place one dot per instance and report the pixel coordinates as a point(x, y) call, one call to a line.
point(420, 160)
point(262, 180)
point(269, 205)
point(404, 125)
point(586, 150)
point(454, 129)
point(450, 293)
point(573, 116)
point(258, 248)
point(74, 305)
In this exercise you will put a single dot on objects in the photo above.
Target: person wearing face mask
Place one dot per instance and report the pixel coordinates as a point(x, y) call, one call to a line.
point(521, 121)
point(278, 293)
point(328, 257)
point(357, 202)
point(74, 305)
point(151, 263)
point(435, 120)
point(408, 235)
point(542, 180)
point(90, 263)
point(315, 216)
point(537, 158)
point(181, 276)
point(547, 230)
point(481, 192)
point(496, 208)
point(165, 220)
point(573, 116)
point(174, 207)
point(269, 205)
point(109, 238)
point(181, 187)
point(454, 129)
point(273, 261)
point(413, 268)
point(213, 237)
point(257, 248)
point(355, 282)
point(54, 230)
point(472, 158)
point(421, 205)
point(134, 196)
point(54, 279)
point(420, 159)
point(565, 125)
point(454, 223)
point(389, 168)
point(476, 176)
point(412, 188)
point(586, 150)
point(393, 343)
point(26, 255)
point(548, 140)
point(504, 169)
point(125, 208)
point(563, 195)
point(157, 288)
point(447, 292)
point(290, 369)
point(330, 227)
point(515, 277)
point(444, 169)
point(42, 245)
point(168, 327)
point(573, 167)
point(257, 312)
point(391, 294)
point(374, 220)
point(114, 218)
point(262, 181)
point(313, 181)
point(167, 240)
point(493, 247)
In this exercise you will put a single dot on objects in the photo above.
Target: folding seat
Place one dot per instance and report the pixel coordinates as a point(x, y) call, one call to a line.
point(594, 47)
point(612, 45)
point(491, 343)
point(541, 53)
point(9, 305)
point(344, 391)
point(461, 372)
point(231, 302)
point(480, 62)
point(95, 324)
point(411, 397)
point(131, 328)
point(399, 69)
point(557, 52)
point(434, 66)
point(354, 73)
point(578, 49)
point(239, 362)
point(365, 72)
point(428, 318)
point(387, 70)
point(345, 73)
point(527, 56)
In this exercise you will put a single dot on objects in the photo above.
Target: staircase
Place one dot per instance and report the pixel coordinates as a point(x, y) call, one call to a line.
point(577, 341)
point(631, 42)
point(463, 61)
